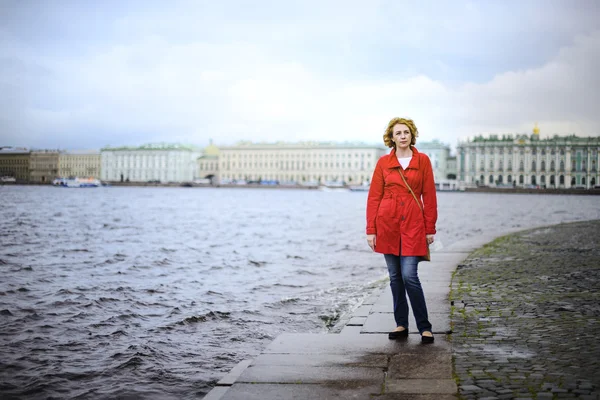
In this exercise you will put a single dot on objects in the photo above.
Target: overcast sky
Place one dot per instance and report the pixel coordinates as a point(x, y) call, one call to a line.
point(85, 74)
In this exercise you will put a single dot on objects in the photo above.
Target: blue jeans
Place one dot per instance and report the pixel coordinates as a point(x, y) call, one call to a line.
point(404, 279)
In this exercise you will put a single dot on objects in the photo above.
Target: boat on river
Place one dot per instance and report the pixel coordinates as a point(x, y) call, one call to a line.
point(77, 182)
point(359, 188)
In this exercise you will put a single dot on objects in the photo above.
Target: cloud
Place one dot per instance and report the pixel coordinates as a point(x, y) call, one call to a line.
point(339, 75)
point(561, 94)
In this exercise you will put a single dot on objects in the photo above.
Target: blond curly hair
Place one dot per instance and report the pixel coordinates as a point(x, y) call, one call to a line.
point(389, 131)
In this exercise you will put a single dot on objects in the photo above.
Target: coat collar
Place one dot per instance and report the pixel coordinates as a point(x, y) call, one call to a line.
point(415, 162)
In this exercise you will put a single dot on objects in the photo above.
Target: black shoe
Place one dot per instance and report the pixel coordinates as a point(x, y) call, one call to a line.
point(427, 339)
point(398, 334)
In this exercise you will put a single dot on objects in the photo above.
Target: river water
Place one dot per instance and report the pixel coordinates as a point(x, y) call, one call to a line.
point(158, 292)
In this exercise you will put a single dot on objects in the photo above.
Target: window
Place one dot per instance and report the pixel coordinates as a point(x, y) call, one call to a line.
point(521, 179)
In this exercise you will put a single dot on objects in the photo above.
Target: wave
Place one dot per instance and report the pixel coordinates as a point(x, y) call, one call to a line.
point(276, 285)
point(64, 303)
point(209, 316)
point(287, 300)
point(162, 263)
point(307, 272)
point(257, 263)
point(101, 300)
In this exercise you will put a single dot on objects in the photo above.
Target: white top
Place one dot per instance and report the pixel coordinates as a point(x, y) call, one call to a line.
point(404, 161)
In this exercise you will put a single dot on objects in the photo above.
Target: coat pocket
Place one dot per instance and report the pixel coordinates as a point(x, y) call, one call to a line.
point(387, 208)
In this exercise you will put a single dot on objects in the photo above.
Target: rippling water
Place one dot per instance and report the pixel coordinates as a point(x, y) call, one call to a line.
point(158, 292)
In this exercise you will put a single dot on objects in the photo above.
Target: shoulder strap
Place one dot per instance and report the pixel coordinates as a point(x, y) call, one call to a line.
point(410, 189)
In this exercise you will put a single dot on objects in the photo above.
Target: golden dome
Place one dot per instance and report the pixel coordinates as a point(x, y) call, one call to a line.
point(211, 149)
point(536, 130)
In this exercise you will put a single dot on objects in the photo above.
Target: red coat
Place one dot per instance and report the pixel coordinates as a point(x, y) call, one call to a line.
point(392, 212)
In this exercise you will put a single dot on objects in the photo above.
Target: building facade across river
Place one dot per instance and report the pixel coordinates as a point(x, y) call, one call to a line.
point(151, 162)
point(528, 161)
point(304, 162)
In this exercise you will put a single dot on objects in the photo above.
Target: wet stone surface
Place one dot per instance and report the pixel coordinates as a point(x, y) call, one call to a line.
point(526, 316)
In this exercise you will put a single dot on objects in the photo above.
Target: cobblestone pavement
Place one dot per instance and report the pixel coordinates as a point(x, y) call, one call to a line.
point(526, 316)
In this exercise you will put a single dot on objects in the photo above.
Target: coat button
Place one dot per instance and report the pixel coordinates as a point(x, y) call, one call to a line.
point(403, 218)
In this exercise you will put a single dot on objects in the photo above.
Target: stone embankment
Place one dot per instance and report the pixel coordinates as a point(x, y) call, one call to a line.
point(520, 190)
point(526, 316)
point(522, 322)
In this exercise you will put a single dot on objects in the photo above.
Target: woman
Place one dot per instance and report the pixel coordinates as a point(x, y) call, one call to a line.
point(396, 226)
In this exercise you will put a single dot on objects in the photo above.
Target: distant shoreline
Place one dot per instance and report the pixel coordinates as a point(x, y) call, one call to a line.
point(258, 186)
point(533, 191)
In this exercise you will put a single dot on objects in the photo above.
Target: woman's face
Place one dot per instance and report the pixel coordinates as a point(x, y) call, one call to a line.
point(401, 136)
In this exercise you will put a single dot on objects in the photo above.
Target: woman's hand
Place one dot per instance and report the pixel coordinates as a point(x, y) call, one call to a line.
point(429, 239)
point(371, 240)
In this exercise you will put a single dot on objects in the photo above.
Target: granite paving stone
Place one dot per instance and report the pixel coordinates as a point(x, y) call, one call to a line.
point(305, 343)
point(362, 311)
point(406, 365)
point(323, 360)
point(351, 330)
point(384, 323)
point(372, 298)
point(357, 321)
point(421, 386)
point(334, 390)
point(217, 393)
point(310, 374)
